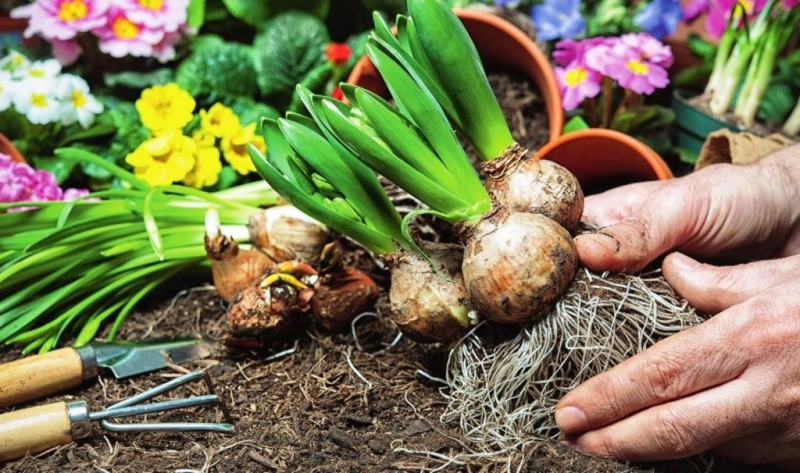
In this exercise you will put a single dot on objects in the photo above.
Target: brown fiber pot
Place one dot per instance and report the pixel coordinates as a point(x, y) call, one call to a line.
point(501, 45)
point(602, 159)
point(7, 147)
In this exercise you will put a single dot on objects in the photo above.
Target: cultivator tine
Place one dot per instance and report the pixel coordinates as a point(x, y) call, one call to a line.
point(133, 406)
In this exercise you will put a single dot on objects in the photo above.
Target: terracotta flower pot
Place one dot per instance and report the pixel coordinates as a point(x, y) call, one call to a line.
point(602, 159)
point(692, 125)
point(7, 147)
point(501, 45)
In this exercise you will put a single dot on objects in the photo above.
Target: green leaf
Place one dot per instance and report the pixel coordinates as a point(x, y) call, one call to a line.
point(428, 115)
point(222, 70)
point(288, 47)
point(377, 156)
point(252, 12)
point(139, 80)
point(687, 156)
point(195, 13)
point(60, 168)
point(576, 123)
point(702, 48)
point(249, 110)
point(776, 104)
point(459, 67)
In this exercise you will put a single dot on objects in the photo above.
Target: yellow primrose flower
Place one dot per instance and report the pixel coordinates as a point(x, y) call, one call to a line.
point(234, 147)
point(207, 163)
point(163, 108)
point(165, 159)
point(219, 120)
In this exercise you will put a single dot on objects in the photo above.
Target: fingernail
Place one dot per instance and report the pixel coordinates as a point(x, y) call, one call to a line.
point(571, 420)
point(683, 262)
point(607, 241)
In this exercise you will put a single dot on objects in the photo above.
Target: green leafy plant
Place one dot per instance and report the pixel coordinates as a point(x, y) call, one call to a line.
point(68, 267)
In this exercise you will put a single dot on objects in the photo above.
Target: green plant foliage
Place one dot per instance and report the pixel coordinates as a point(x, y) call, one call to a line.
point(139, 80)
point(254, 12)
point(248, 110)
point(286, 49)
point(219, 70)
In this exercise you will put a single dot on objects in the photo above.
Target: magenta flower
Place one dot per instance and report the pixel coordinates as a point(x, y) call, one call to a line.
point(577, 83)
point(720, 11)
point(626, 66)
point(122, 36)
point(569, 50)
point(167, 15)
point(66, 51)
point(62, 19)
point(164, 51)
point(695, 8)
point(21, 183)
point(649, 48)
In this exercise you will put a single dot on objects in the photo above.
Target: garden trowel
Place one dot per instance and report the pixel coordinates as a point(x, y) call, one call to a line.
point(41, 375)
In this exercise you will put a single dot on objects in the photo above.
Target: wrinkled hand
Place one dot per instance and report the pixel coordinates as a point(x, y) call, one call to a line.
point(731, 384)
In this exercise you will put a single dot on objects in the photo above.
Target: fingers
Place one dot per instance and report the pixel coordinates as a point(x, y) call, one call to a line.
point(712, 289)
point(612, 206)
point(634, 242)
point(688, 362)
point(681, 428)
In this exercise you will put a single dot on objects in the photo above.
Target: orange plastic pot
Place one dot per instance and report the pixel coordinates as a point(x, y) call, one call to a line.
point(602, 159)
point(501, 45)
point(7, 147)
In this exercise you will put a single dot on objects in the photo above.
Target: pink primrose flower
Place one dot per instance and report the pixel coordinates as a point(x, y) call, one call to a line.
point(19, 182)
point(121, 36)
point(626, 66)
point(66, 51)
point(720, 11)
point(167, 15)
point(164, 51)
point(569, 50)
point(577, 83)
point(649, 48)
point(62, 19)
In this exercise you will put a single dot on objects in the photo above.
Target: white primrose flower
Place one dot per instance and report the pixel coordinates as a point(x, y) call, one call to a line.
point(15, 63)
point(7, 87)
point(41, 70)
point(37, 101)
point(77, 104)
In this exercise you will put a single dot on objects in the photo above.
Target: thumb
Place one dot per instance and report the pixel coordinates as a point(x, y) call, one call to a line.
point(631, 244)
point(712, 289)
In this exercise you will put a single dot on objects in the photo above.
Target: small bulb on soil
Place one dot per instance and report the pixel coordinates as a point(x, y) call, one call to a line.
point(521, 183)
point(517, 265)
point(285, 233)
point(424, 305)
point(340, 296)
point(260, 317)
point(232, 268)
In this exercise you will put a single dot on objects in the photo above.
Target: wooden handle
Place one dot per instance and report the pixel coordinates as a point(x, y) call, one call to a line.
point(36, 376)
point(34, 430)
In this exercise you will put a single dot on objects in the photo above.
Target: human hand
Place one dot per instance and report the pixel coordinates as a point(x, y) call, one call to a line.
point(731, 384)
point(732, 213)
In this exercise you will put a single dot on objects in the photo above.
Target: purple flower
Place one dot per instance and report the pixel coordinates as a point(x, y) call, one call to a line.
point(576, 83)
point(556, 19)
point(660, 18)
point(694, 9)
point(21, 183)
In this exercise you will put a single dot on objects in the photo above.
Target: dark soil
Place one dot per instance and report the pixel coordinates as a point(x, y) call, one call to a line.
point(759, 128)
point(309, 410)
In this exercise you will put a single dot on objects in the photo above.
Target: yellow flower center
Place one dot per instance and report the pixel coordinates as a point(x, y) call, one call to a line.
point(124, 28)
point(78, 99)
point(36, 73)
point(154, 5)
point(73, 10)
point(38, 100)
point(576, 77)
point(638, 67)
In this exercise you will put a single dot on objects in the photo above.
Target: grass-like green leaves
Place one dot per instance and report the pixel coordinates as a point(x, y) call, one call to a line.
point(320, 177)
point(68, 267)
point(435, 48)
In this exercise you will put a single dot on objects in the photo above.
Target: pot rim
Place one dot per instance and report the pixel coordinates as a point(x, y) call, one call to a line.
point(6, 146)
point(550, 92)
point(653, 159)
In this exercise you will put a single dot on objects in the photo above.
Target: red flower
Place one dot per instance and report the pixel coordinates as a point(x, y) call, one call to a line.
point(338, 53)
point(337, 94)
